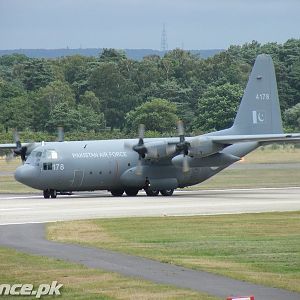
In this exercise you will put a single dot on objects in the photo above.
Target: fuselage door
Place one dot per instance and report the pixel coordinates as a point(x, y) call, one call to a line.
point(78, 178)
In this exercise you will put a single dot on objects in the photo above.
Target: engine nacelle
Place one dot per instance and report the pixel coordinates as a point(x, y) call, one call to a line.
point(202, 147)
point(214, 160)
point(157, 150)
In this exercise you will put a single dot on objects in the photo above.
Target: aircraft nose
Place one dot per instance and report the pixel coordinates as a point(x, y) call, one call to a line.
point(26, 174)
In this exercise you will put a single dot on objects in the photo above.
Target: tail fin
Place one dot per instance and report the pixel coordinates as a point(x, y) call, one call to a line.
point(259, 111)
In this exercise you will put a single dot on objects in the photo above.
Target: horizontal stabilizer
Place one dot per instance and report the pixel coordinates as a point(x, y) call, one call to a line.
point(272, 138)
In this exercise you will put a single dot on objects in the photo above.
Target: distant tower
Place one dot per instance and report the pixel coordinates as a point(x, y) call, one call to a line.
point(164, 41)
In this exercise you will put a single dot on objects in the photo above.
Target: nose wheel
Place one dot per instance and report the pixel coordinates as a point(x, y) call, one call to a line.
point(49, 193)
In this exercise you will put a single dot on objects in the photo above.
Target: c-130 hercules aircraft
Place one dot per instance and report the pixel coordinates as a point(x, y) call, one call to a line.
point(157, 165)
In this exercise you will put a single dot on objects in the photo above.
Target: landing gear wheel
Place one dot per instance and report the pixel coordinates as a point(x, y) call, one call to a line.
point(167, 192)
point(151, 193)
point(117, 193)
point(131, 192)
point(46, 194)
point(53, 193)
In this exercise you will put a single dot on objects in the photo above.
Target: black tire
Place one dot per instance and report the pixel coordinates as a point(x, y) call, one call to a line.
point(151, 193)
point(46, 194)
point(167, 192)
point(131, 192)
point(117, 193)
point(53, 193)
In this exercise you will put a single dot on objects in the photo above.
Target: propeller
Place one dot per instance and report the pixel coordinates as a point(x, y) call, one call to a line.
point(20, 150)
point(9, 156)
point(182, 146)
point(140, 148)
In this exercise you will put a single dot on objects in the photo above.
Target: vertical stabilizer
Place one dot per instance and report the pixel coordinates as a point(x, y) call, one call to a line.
point(259, 111)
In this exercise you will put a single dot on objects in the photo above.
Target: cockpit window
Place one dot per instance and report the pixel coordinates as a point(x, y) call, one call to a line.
point(34, 158)
point(51, 154)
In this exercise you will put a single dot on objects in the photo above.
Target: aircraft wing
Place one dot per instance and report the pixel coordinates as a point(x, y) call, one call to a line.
point(272, 138)
point(8, 146)
point(13, 145)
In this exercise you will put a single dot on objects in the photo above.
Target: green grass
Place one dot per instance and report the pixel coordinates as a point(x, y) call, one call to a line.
point(261, 248)
point(9, 166)
point(81, 282)
point(274, 154)
point(9, 185)
point(253, 178)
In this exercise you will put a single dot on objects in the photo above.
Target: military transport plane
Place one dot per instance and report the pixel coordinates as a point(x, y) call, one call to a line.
point(157, 165)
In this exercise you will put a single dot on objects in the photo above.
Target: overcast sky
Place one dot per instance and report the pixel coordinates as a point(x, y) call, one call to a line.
point(191, 24)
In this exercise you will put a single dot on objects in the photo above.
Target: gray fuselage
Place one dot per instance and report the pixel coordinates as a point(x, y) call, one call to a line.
point(108, 165)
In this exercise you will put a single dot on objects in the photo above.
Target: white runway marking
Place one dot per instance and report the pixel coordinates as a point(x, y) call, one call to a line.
point(11, 209)
point(23, 209)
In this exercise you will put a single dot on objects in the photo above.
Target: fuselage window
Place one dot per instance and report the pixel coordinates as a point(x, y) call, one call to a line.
point(47, 166)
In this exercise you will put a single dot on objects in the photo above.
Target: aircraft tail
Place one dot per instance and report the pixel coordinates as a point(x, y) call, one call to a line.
point(259, 111)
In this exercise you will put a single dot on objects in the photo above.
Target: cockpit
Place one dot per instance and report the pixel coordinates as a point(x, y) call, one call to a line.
point(47, 156)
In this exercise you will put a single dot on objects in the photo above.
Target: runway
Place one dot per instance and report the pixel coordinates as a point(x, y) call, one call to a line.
point(27, 237)
point(22, 209)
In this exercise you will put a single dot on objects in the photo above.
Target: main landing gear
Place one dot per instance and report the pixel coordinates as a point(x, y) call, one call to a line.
point(117, 193)
point(49, 193)
point(131, 192)
point(152, 193)
point(134, 191)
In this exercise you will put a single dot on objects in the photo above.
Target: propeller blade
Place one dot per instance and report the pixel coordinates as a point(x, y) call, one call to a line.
point(180, 128)
point(17, 139)
point(185, 164)
point(60, 134)
point(10, 156)
point(141, 131)
point(139, 167)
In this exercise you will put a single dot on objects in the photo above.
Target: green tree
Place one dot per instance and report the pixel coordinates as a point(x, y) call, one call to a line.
point(157, 115)
point(90, 120)
point(62, 114)
point(89, 99)
point(73, 119)
point(292, 118)
point(111, 55)
point(36, 73)
point(217, 107)
point(118, 94)
point(76, 71)
point(16, 113)
point(47, 98)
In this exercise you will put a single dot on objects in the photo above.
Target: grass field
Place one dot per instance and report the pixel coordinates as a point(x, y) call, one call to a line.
point(81, 282)
point(261, 248)
point(229, 178)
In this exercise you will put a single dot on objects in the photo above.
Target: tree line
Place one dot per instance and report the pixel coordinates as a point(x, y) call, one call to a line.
point(109, 95)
